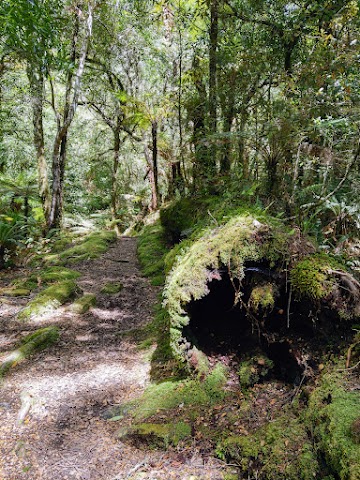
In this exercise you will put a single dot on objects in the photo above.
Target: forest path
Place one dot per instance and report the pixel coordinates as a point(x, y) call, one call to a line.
point(65, 390)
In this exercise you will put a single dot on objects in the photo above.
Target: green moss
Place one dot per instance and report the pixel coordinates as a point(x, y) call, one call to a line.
point(57, 274)
point(112, 288)
point(23, 287)
point(178, 250)
point(50, 299)
point(83, 304)
point(15, 292)
point(331, 414)
point(231, 476)
point(91, 247)
point(310, 278)
point(262, 297)
point(151, 249)
point(189, 393)
point(161, 435)
point(188, 216)
point(280, 450)
point(179, 218)
point(254, 370)
point(163, 362)
point(61, 244)
point(36, 341)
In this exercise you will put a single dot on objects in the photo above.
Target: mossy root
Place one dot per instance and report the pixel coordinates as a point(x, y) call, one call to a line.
point(32, 343)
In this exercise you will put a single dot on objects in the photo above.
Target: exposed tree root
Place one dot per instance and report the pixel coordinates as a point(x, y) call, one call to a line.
point(34, 342)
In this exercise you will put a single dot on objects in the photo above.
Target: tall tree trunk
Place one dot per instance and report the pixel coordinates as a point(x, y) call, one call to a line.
point(150, 174)
point(71, 102)
point(154, 133)
point(36, 81)
point(243, 159)
point(114, 178)
point(2, 150)
point(214, 33)
point(228, 119)
point(198, 137)
point(177, 178)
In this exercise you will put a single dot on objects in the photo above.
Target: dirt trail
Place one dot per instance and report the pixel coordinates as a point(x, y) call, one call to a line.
point(63, 392)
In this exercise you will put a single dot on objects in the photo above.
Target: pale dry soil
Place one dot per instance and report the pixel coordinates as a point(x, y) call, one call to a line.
point(52, 422)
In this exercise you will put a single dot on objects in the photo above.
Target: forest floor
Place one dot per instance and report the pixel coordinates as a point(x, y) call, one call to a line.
point(53, 405)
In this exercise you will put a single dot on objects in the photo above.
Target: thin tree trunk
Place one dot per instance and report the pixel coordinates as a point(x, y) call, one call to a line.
point(228, 119)
point(179, 181)
point(114, 178)
point(198, 138)
point(36, 80)
point(214, 31)
point(2, 151)
point(59, 150)
point(154, 131)
point(150, 174)
point(243, 159)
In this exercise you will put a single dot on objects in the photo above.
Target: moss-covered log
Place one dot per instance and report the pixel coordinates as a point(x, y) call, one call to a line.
point(50, 299)
point(32, 343)
point(253, 281)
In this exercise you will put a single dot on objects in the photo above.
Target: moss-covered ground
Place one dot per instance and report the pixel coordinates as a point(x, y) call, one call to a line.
point(90, 247)
point(151, 250)
point(334, 409)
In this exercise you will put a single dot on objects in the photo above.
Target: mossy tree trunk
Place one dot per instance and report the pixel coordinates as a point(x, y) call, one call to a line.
point(115, 174)
point(36, 341)
point(155, 180)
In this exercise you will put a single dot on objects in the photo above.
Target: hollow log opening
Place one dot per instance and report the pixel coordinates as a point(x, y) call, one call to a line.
point(217, 324)
point(285, 331)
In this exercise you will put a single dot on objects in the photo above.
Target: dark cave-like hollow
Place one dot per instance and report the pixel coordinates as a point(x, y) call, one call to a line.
point(219, 326)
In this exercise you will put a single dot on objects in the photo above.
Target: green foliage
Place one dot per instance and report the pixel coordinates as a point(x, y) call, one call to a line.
point(50, 299)
point(280, 450)
point(12, 232)
point(42, 277)
point(333, 410)
point(8, 234)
